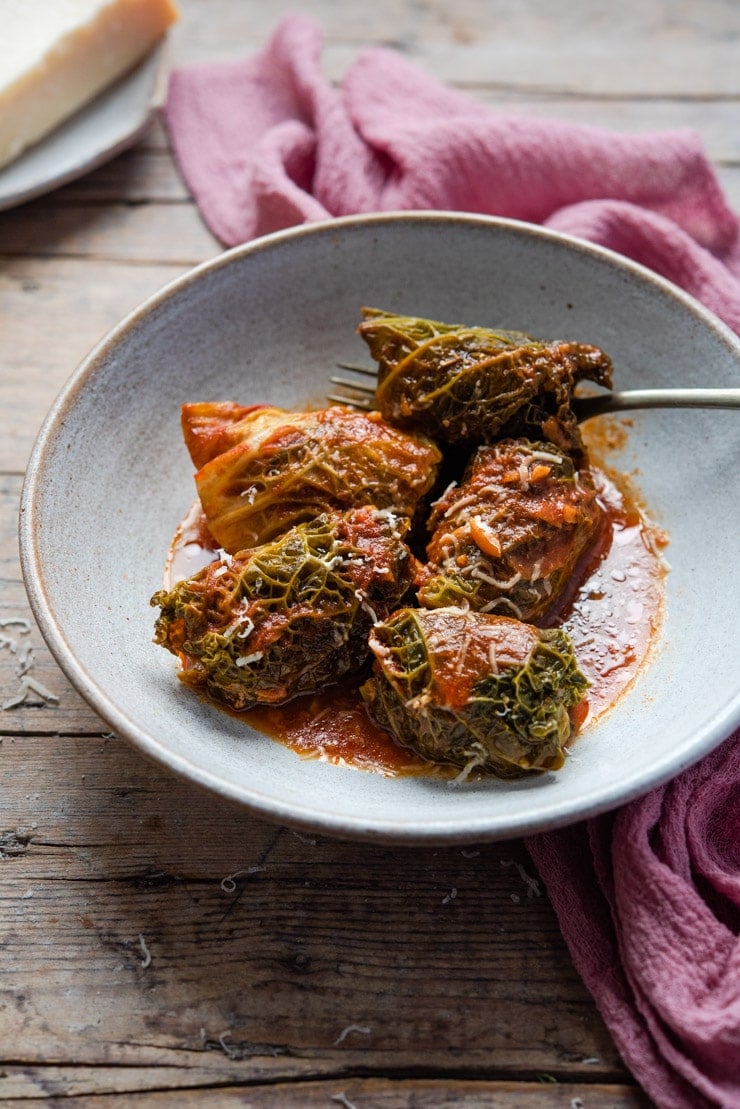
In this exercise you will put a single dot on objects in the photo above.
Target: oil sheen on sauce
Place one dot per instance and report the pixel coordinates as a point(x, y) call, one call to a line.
point(612, 615)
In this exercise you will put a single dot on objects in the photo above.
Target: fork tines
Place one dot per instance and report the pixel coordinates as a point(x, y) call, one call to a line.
point(361, 393)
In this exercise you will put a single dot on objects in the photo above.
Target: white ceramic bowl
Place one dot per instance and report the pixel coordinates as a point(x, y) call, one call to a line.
point(110, 479)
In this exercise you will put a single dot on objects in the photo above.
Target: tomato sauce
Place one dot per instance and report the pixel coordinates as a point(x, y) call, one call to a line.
point(612, 613)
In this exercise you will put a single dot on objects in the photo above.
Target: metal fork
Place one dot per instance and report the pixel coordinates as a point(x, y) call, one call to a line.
point(585, 408)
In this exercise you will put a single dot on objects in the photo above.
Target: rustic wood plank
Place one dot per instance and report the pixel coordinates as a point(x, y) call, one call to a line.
point(82, 1084)
point(23, 651)
point(308, 961)
point(161, 233)
point(562, 46)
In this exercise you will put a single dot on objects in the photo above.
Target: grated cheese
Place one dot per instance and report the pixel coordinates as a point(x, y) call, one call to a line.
point(492, 660)
point(146, 961)
point(246, 629)
point(363, 1029)
point(344, 1100)
point(498, 601)
point(245, 660)
point(545, 456)
point(477, 759)
point(364, 603)
point(508, 584)
point(532, 885)
point(16, 622)
point(228, 885)
point(30, 685)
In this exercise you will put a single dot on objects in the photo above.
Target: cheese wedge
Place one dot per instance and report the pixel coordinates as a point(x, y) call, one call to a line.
point(55, 55)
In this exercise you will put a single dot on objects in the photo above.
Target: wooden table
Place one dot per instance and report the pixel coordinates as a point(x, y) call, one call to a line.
point(166, 948)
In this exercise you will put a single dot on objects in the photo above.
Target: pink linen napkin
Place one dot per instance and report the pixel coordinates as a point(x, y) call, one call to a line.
point(648, 898)
point(268, 142)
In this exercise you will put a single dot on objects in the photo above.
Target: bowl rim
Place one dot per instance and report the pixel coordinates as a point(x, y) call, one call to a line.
point(719, 727)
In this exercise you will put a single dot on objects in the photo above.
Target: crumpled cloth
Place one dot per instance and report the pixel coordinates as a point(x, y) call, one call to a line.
point(267, 142)
point(648, 898)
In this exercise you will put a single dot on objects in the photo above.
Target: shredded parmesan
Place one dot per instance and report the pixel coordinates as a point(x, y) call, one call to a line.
point(477, 760)
point(30, 685)
point(462, 502)
point(228, 885)
point(508, 584)
point(344, 1100)
point(25, 659)
point(532, 885)
point(442, 496)
point(545, 456)
point(245, 660)
point(498, 601)
point(447, 543)
point(146, 961)
point(246, 630)
point(364, 603)
point(492, 660)
point(363, 1029)
point(17, 622)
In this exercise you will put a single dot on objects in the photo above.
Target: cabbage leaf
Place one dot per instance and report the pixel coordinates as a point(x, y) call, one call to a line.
point(478, 691)
point(512, 535)
point(261, 470)
point(463, 384)
point(290, 616)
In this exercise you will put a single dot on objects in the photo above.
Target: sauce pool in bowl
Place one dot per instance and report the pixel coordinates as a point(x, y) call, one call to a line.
point(612, 613)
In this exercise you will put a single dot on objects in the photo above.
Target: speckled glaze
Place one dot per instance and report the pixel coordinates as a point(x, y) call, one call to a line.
point(110, 479)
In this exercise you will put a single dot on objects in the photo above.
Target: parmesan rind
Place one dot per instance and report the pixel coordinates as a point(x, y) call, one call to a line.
point(58, 54)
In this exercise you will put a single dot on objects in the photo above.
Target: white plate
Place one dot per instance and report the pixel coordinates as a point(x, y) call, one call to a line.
point(110, 478)
point(109, 124)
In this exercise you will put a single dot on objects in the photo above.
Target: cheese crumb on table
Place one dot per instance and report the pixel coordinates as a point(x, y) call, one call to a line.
point(58, 54)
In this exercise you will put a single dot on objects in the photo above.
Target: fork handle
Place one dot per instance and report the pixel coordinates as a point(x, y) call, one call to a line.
point(586, 407)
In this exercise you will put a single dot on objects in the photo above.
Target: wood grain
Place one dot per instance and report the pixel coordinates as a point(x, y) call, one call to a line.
point(159, 945)
point(316, 956)
point(580, 47)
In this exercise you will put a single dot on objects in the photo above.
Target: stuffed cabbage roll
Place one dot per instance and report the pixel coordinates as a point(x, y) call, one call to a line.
point(473, 384)
point(291, 616)
point(509, 538)
point(478, 691)
point(261, 470)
